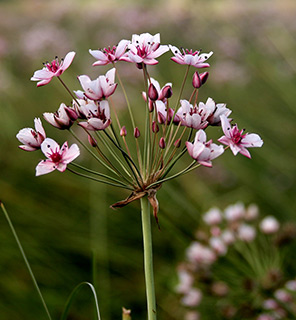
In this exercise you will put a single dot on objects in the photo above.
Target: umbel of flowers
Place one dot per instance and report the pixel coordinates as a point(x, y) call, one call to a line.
point(173, 127)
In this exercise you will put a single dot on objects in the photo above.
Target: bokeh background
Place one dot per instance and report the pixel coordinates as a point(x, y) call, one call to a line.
point(64, 221)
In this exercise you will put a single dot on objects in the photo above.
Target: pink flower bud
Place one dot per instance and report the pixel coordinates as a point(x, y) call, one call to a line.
point(152, 92)
point(166, 92)
point(150, 105)
point(72, 114)
point(92, 141)
point(162, 143)
point(123, 132)
point(199, 79)
point(136, 133)
point(177, 143)
point(155, 127)
point(204, 77)
point(196, 82)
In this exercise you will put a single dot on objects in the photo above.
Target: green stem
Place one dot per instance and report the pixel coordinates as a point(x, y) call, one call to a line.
point(25, 259)
point(68, 90)
point(148, 261)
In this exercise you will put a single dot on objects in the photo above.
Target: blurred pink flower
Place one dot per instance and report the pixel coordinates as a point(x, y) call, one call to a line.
point(192, 298)
point(53, 69)
point(109, 55)
point(203, 152)
point(213, 217)
point(238, 141)
point(269, 225)
point(246, 233)
point(57, 158)
point(145, 48)
point(190, 58)
point(31, 138)
point(100, 88)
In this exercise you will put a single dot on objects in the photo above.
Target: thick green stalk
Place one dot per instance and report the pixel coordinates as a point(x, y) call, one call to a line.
point(148, 261)
point(25, 259)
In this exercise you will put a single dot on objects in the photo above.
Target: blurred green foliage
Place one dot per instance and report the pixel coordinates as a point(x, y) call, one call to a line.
point(62, 220)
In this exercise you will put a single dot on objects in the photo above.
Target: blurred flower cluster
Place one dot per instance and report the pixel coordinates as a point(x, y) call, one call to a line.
point(235, 264)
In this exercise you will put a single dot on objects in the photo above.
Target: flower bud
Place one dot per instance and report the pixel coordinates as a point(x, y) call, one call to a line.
point(123, 131)
point(162, 143)
point(155, 127)
point(199, 79)
point(196, 82)
point(136, 132)
point(150, 105)
point(166, 92)
point(126, 314)
point(152, 92)
point(177, 143)
point(92, 141)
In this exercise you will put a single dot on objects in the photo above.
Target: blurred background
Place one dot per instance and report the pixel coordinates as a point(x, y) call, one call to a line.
point(63, 221)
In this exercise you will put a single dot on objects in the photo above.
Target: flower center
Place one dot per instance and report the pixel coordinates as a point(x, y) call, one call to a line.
point(56, 157)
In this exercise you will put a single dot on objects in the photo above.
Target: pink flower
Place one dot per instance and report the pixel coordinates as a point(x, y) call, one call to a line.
point(269, 225)
point(30, 138)
point(56, 158)
point(63, 118)
point(246, 233)
point(53, 69)
point(97, 115)
point(213, 217)
point(190, 58)
point(109, 55)
point(203, 152)
point(192, 116)
point(98, 89)
point(192, 298)
point(237, 140)
point(145, 48)
point(215, 110)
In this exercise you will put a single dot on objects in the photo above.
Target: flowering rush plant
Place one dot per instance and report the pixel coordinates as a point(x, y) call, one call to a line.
point(139, 155)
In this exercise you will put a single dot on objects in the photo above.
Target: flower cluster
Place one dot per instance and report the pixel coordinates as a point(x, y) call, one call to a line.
point(168, 130)
point(237, 239)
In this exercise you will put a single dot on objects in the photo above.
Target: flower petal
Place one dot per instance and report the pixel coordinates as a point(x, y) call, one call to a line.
point(44, 167)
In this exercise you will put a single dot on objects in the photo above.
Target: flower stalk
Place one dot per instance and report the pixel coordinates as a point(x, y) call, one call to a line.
point(148, 258)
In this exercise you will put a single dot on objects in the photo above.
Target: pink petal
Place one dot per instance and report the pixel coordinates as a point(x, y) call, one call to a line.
point(252, 140)
point(98, 54)
point(43, 82)
point(44, 167)
point(121, 47)
point(27, 148)
point(189, 147)
point(61, 167)
point(68, 60)
point(42, 74)
point(158, 52)
point(72, 153)
point(245, 152)
point(49, 146)
point(226, 127)
point(39, 128)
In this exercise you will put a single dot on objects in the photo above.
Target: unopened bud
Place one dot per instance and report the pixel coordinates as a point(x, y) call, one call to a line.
point(204, 77)
point(161, 118)
point(150, 105)
point(162, 143)
point(71, 113)
point(196, 81)
point(136, 133)
point(92, 141)
point(123, 132)
point(177, 143)
point(155, 127)
point(199, 79)
point(152, 92)
point(166, 92)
